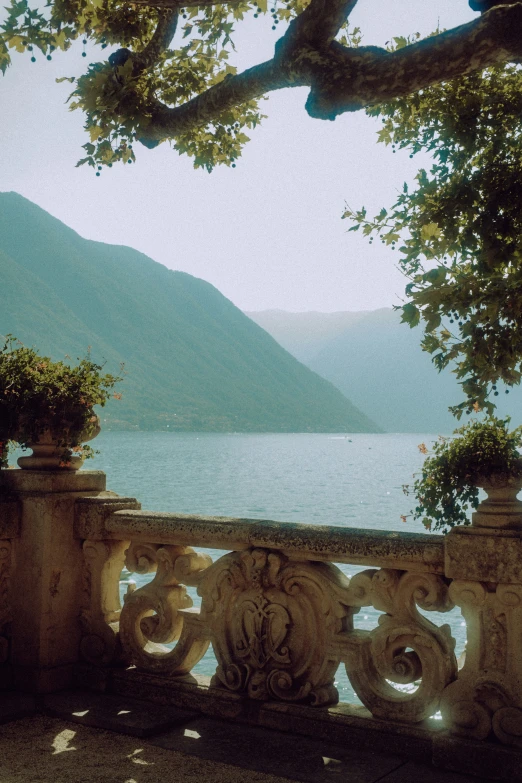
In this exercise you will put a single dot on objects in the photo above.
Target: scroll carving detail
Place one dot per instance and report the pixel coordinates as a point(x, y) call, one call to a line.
point(154, 615)
point(404, 648)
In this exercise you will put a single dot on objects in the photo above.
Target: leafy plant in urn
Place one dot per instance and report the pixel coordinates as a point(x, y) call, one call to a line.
point(49, 407)
point(480, 454)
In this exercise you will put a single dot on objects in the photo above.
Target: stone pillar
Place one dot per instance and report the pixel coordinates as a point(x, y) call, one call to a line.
point(45, 574)
point(485, 563)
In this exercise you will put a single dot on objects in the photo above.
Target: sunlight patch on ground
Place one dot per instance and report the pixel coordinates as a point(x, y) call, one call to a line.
point(191, 733)
point(61, 741)
point(136, 760)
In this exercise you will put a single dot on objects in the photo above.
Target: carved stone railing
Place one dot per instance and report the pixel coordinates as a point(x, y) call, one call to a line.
point(277, 611)
point(275, 606)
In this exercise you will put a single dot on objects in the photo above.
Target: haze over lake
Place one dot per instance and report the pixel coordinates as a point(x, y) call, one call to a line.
point(350, 480)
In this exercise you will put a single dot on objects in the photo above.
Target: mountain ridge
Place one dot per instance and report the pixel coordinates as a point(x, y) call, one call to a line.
point(194, 361)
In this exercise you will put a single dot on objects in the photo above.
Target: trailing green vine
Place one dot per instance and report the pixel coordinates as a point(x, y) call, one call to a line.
point(37, 394)
point(447, 489)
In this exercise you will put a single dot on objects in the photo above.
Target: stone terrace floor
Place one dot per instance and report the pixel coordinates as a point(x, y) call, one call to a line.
point(77, 737)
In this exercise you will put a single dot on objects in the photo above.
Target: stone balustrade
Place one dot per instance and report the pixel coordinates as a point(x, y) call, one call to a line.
point(276, 608)
point(278, 612)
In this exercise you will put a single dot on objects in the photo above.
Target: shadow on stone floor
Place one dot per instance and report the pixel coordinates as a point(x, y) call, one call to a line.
point(42, 749)
point(148, 743)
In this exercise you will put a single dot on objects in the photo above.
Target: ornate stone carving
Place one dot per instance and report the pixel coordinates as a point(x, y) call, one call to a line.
point(152, 615)
point(404, 648)
point(487, 697)
point(271, 621)
point(5, 604)
point(101, 603)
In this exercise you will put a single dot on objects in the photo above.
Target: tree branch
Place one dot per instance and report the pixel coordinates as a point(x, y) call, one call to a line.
point(345, 84)
point(348, 79)
point(232, 91)
point(163, 35)
point(319, 23)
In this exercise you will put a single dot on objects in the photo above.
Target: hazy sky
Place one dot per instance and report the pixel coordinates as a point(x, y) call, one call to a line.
point(267, 234)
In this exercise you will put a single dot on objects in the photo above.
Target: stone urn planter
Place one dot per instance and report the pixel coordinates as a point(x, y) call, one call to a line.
point(49, 406)
point(480, 455)
point(502, 508)
point(50, 453)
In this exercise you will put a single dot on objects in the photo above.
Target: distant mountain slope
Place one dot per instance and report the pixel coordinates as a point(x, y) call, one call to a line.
point(304, 334)
point(193, 360)
point(379, 364)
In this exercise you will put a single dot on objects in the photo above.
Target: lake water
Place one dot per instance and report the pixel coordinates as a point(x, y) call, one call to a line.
point(345, 480)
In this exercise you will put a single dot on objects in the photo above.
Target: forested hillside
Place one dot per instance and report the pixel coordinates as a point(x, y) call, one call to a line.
point(193, 360)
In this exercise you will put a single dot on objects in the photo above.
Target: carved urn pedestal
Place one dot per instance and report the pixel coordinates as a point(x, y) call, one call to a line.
point(41, 576)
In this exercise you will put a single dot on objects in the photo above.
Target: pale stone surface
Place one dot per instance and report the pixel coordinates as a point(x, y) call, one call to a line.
point(404, 648)
point(192, 692)
point(409, 551)
point(90, 514)
point(43, 594)
point(49, 455)
point(484, 555)
point(350, 726)
point(52, 481)
point(99, 610)
point(272, 621)
point(501, 509)
point(486, 697)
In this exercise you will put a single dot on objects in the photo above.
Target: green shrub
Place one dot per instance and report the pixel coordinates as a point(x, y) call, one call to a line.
point(37, 394)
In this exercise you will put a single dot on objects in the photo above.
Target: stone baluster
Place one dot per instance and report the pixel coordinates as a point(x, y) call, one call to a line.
point(405, 648)
point(100, 610)
point(485, 563)
point(160, 613)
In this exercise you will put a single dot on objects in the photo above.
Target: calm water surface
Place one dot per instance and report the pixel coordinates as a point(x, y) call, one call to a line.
point(345, 480)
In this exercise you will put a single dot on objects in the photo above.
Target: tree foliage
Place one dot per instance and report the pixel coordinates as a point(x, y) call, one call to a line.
point(458, 229)
point(168, 77)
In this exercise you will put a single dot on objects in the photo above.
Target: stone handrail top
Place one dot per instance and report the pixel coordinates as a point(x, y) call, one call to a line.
point(413, 551)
